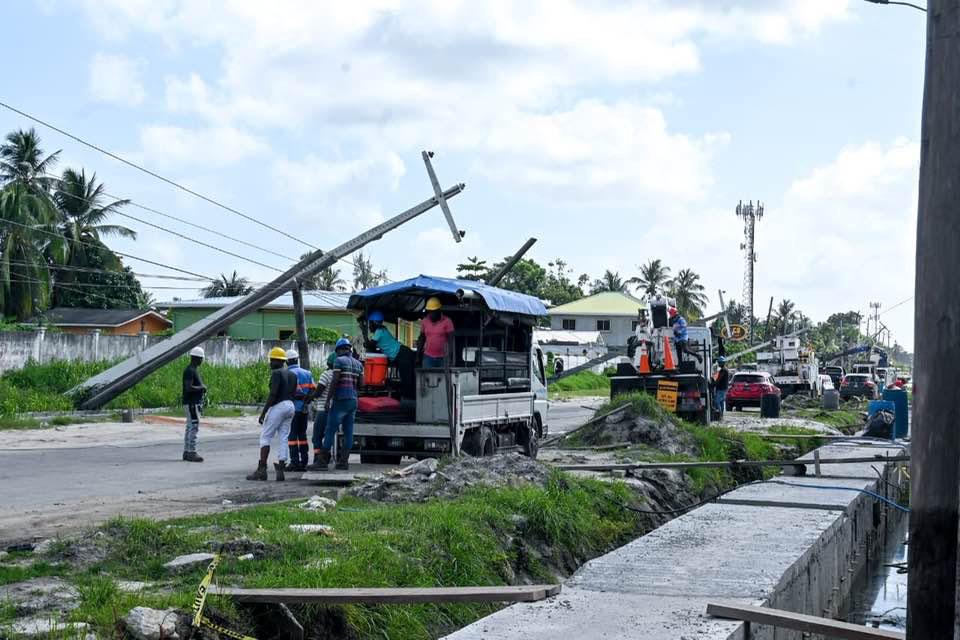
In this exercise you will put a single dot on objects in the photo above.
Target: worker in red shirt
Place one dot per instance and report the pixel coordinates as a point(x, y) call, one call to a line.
point(435, 332)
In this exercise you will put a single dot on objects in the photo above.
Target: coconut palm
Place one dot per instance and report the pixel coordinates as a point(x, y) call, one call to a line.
point(84, 212)
point(653, 277)
point(686, 289)
point(224, 287)
point(785, 311)
point(22, 160)
point(327, 279)
point(611, 281)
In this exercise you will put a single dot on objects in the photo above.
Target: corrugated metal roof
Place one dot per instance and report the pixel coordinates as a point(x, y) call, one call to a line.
point(568, 337)
point(608, 303)
point(312, 300)
point(79, 317)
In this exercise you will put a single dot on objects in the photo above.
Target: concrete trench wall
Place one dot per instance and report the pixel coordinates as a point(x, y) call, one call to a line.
point(797, 548)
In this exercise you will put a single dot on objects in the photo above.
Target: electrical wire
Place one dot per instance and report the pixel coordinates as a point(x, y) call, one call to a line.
point(902, 302)
point(96, 285)
point(64, 267)
point(839, 488)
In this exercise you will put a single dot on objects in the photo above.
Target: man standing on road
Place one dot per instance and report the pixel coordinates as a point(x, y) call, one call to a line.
point(193, 392)
point(342, 402)
point(299, 446)
point(720, 385)
point(679, 324)
point(435, 332)
point(277, 415)
point(321, 458)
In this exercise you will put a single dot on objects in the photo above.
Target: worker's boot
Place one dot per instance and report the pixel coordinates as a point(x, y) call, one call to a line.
point(321, 461)
point(260, 473)
point(343, 460)
point(191, 456)
point(279, 467)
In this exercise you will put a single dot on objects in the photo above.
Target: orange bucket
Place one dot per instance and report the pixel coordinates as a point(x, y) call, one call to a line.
point(375, 369)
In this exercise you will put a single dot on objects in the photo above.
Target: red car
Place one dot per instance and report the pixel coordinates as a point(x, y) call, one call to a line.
point(748, 387)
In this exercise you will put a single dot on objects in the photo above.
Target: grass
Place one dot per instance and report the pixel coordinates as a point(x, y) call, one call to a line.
point(844, 420)
point(488, 536)
point(585, 383)
point(209, 412)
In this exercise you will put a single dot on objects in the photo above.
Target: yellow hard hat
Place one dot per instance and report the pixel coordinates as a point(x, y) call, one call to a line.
point(433, 304)
point(278, 353)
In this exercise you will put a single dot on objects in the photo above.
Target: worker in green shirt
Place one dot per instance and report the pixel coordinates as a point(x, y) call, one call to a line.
point(399, 355)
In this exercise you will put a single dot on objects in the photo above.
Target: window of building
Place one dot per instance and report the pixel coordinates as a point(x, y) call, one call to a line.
point(569, 324)
point(286, 334)
point(603, 325)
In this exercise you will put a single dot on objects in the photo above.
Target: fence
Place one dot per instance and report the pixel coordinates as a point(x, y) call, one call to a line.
point(19, 347)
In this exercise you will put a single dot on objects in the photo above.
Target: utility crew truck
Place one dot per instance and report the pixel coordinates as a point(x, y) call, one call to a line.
point(680, 387)
point(491, 394)
point(793, 367)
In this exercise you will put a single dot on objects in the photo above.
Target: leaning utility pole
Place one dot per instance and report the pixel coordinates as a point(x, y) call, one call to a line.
point(935, 439)
point(750, 215)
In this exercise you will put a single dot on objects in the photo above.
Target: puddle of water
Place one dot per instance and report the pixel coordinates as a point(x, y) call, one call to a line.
point(882, 601)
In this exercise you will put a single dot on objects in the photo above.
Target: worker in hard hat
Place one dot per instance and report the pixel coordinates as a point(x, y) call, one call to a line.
point(321, 392)
point(399, 355)
point(277, 415)
point(436, 330)
point(679, 324)
point(341, 403)
point(193, 392)
point(298, 443)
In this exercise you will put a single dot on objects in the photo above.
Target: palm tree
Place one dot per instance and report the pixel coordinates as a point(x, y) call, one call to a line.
point(145, 300)
point(224, 287)
point(784, 313)
point(653, 277)
point(689, 293)
point(81, 203)
point(327, 279)
point(365, 275)
point(611, 281)
point(28, 225)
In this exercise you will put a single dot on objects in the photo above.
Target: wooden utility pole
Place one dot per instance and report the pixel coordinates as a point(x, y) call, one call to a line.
point(935, 482)
point(300, 315)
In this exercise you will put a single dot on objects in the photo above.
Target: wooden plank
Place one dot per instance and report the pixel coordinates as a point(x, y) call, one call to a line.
point(403, 595)
point(800, 622)
point(635, 466)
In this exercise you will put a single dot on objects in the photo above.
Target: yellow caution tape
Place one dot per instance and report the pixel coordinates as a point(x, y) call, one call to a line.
point(200, 620)
point(210, 624)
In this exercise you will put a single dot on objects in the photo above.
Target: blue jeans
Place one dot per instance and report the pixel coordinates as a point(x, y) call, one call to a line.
point(429, 362)
point(719, 397)
point(342, 411)
point(319, 429)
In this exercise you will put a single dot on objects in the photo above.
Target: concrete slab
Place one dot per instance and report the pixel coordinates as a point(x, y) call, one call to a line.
point(852, 450)
point(797, 496)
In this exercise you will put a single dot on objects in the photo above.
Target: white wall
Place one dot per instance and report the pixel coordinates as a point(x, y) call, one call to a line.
point(621, 327)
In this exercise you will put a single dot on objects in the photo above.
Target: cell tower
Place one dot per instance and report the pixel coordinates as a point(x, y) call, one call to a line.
point(750, 214)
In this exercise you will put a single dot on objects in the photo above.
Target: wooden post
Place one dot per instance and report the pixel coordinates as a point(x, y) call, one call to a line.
point(303, 344)
point(932, 589)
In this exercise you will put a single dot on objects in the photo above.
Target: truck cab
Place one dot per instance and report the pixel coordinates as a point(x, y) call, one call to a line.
point(489, 396)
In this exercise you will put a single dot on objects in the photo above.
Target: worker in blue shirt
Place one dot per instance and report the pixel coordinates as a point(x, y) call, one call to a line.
point(298, 443)
point(679, 324)
point(399, 355)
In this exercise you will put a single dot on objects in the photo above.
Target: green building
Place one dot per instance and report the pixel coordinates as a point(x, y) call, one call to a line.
point(274, 321)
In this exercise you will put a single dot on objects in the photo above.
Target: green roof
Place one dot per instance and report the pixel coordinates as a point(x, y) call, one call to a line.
point(608, 303)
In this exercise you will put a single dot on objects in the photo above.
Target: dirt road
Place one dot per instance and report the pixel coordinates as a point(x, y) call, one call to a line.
point(60, 480)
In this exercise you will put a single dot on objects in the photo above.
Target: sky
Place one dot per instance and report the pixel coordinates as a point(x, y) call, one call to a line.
point(612, 131)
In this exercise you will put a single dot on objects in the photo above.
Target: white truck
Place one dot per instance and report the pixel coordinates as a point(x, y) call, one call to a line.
point(793, 367)
point(491, 396)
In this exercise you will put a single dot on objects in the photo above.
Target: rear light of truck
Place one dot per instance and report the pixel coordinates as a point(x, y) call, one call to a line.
point(435, 445)
point(693, 395)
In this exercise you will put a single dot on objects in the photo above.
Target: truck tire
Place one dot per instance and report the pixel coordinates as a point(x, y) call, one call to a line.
point(529, 440)
point(479, 443)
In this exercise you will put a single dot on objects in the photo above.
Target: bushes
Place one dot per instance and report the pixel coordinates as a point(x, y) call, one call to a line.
point(43, 387)
point(585, 381)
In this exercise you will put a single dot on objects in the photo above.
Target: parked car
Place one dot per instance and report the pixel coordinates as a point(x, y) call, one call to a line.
point(748, 387)
point(859, 385)
point(836, 374)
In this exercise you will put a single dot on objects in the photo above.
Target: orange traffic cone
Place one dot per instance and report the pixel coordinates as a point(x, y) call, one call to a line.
point(644, 358)
point(668, 362)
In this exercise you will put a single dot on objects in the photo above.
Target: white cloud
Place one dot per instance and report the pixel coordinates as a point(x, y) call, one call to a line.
point(217, 146)
point(116, 80)
point(315, 176)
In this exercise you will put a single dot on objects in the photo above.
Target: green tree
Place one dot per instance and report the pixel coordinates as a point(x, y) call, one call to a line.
point(473, 269)
point(224, 287)
point(558, 287)
point(686, 289)
point(610, 281)
point(365, 275)
point(526, 276)
point(653, 277)
point(784, 313)
point(327, 279)
point(28, 225)
point(107, 285)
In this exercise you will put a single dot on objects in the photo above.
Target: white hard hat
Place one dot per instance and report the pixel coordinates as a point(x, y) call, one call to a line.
point(196, 352)
point(292, 354)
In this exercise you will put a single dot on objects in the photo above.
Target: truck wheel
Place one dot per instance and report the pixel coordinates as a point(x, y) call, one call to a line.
point(529, 440)
point(479, 443)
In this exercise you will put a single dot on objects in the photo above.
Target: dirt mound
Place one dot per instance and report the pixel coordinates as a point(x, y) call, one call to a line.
point(633, 425)
point(410, 485)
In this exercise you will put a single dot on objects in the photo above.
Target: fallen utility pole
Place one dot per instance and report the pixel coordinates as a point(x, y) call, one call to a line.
point(640, 466)
point(589, 422)
point(505, 269)
point(934, 485)
point(589, 364)
point(300, 315)
point(400, 595)
point(102, 388)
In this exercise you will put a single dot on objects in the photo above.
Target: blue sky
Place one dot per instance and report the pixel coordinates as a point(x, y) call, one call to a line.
point(614, 132)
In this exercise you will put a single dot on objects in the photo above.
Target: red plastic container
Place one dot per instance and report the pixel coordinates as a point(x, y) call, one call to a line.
point(375, 370)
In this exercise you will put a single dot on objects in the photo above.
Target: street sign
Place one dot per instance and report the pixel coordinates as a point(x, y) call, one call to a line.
point(667, 394)
point(738, 332)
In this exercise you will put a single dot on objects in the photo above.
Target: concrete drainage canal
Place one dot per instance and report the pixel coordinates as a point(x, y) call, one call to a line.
point(879, 598)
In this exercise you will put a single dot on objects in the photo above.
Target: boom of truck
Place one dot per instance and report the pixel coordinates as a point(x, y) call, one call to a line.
point(491, 395)
point(683, 388)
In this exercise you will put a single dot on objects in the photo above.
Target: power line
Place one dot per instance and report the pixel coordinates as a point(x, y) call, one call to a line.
point(902, 302)
point(125, 255)
point(153, 174)
point(95, 285)
point(61, 267)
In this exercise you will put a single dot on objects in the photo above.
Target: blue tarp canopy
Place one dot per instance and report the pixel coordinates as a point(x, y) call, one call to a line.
point(408, 296)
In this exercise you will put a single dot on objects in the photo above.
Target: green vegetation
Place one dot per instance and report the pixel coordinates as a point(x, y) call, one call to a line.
point(585, 383)
point(485, 537)
point(42, 387)
point(846, 421)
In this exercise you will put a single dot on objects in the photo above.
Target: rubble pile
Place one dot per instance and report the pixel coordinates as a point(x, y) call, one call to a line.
point(426, 480)
point(658, 432)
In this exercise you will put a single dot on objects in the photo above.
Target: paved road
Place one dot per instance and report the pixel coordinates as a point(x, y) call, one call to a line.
point(82, 476)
